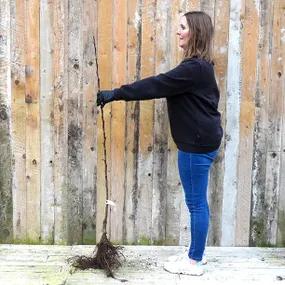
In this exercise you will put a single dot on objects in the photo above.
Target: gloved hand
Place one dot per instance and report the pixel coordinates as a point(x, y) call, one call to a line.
point(104, 97)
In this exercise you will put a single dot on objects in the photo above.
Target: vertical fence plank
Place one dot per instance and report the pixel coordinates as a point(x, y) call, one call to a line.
point(89, 122)
point(220, 49)
point(247, 113)
point(60, 88)
point(118, 119)
point(184, 225)
point(104, 41)
point(260, 129)
point(75, 121)
point(160, 134)
point(132, 123)
point(268, 133)
point(6, 206)
point(18, 120)
point(33, 162)
point(47, 123)
point(232, 126)
point(173, 189)
point(281, 203)
point(274, 130)
point(209, 7)
point(145, 158)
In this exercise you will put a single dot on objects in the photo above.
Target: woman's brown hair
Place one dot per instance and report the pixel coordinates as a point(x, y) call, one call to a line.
point(201, 34)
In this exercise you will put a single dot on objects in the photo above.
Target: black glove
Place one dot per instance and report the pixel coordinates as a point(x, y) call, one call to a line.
point(104, 97)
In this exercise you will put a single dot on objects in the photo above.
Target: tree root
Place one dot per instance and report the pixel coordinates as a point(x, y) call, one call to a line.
point(106, 256)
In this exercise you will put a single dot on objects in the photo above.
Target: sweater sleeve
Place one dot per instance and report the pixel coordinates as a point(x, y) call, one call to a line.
point(164, 85)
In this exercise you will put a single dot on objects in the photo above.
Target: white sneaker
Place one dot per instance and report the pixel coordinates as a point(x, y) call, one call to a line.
point(183, 267)
point(184, 255)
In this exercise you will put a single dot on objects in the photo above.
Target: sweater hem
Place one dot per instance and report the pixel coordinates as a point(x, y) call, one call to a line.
point(197, 148)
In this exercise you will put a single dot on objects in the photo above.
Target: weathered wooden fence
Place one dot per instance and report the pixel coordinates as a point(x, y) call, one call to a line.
point(51, 167)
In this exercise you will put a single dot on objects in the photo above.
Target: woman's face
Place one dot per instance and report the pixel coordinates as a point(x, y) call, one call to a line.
point(183, 32)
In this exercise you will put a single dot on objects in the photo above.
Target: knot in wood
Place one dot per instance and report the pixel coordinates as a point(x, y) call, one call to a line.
point(28, 99)
point(3, 112)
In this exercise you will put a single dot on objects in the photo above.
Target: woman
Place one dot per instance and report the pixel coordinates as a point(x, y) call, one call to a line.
point(192, 100)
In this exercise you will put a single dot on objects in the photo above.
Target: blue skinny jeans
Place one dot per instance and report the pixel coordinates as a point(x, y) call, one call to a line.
point(194, 173)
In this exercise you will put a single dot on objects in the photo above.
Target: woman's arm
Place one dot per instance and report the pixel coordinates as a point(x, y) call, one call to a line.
point(171, 83)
